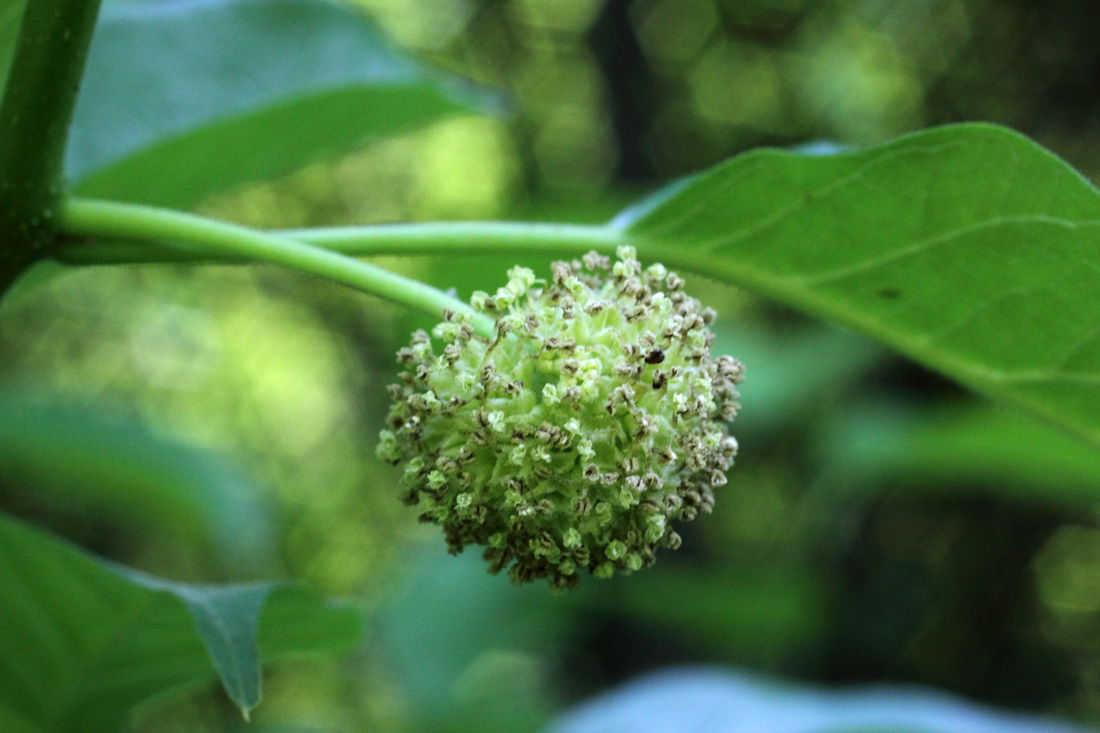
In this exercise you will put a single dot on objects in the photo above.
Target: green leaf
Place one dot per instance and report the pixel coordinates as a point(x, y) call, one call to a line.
point(10, 16)
point(970, 448)
point(749, 614)
point(465, 645)
point(227, 618)
point(121, 470)
point(968, 248)
point(36, 276)
point(85, 641)
point(185, 100)
point(796, 374)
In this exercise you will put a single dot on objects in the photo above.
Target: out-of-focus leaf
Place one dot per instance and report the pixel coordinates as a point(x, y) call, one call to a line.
point(718, 701)
point(187, 99)
point(37, 275)
point(747, 614)
point(968, 248)
point(794, 374)
point(85, 641)
point(973, 447)
point(11, 14)
point(121, 469)
point(467, 647)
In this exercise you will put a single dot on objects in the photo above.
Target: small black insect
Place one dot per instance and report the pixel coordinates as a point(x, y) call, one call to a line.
point(655, 357)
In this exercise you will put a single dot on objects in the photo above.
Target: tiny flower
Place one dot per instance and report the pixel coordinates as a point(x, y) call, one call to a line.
point(574, 438)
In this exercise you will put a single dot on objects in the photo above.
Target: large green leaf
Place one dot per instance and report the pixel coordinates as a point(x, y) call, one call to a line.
point(969, 248)
point(184, 100)
point(94, 459)
point(11, 13)
point(85, 641)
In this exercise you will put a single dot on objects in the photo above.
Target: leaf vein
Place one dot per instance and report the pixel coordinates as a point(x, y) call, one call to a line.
point(920, 246)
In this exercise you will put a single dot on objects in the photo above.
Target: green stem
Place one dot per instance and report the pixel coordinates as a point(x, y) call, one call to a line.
point(559, 240)
point(211, 239)
point(34, 122)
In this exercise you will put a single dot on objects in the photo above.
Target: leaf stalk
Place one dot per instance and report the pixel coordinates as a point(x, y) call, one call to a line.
point(205, 238)
point(432, 238)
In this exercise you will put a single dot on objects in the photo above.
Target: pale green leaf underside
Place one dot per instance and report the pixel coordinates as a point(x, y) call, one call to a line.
point(968, 248)
point(84, 641)
point(181, 101)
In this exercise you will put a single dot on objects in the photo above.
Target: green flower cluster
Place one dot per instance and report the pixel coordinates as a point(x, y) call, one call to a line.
point(579, 433)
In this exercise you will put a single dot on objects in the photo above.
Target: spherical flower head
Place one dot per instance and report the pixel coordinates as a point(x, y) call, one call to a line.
point(573, 439)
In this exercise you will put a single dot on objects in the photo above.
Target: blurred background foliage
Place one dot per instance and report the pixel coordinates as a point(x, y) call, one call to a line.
point(881, 525)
